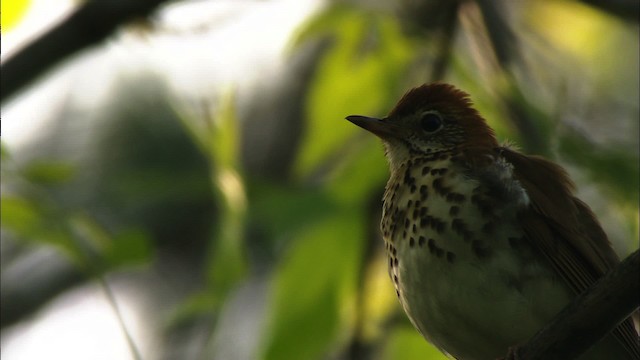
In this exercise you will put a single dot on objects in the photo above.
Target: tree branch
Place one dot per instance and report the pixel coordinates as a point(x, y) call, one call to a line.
point(589, 318)
point(91, 23)
point(625, 9)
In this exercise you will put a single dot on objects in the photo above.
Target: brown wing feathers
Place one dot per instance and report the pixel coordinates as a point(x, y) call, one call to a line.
point(565, 230)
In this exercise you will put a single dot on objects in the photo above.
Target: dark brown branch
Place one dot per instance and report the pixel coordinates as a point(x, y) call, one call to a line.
point(91, 23)
point(589, 318)
point(445, 43)
point(503, 39)
point(628, 10)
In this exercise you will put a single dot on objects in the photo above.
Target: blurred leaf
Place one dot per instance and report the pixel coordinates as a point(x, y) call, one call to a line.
point(196, 305)
point(615, 168)
point(360, 172)
point(407, 344)
point(379, 300)
point(32, 221)
point(314, 288)
point(48, 172)
point(19, 215)
point(129, 247)
point(102, 251)
point(5, 154)
point(284, 211)
point(360, 74)
point(573, 26)
point(80, 237)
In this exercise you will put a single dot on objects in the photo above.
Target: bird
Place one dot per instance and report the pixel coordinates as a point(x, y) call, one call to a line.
point(484, 243)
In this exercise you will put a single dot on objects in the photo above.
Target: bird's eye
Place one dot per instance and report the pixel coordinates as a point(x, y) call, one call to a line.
point(431, 122)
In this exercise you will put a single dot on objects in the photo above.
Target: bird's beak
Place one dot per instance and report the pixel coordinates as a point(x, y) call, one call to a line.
point(380, 127)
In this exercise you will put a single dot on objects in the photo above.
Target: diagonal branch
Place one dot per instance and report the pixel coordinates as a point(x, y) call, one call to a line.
point(89, 24)
point(589, 318)
point(625, 9)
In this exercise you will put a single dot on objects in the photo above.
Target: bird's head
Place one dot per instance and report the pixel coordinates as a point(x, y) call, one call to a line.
point(429, 119)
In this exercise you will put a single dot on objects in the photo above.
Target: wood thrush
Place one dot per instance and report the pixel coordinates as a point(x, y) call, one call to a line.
point(485, 245)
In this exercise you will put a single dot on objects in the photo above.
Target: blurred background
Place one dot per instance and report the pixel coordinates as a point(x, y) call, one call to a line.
point(179, 182)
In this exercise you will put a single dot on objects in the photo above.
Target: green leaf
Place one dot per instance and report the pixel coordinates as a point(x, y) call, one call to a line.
point(32, 221)
point(407, 344)
point(49, 172)
point(5, 154)
point(314, 289)
point(361, 172)
point(283, 211)
point(360, 74)
point(102, 250)
point(129, 247)
point(19, 215)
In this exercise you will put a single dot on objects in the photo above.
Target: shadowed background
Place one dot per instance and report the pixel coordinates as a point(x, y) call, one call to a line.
point(188, 181)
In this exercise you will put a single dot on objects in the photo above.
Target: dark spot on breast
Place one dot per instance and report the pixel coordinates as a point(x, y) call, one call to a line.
point(431, 244)
point(439, 188)
point(412, 242)
point(439, 252)
point(451, 257)
point(440, 171)
point(398, 293)
point(425, 170)
point(458, 225)
point(486, 209)
point(415, 228)
point(390, 262)
point(395, 262)
point(423, 211)
point(408, 179)
point(409, 203)
point(455, 197)
point(480, 250)
point(488, 228)
point(437, 184)
point(454, 210)
point(438, 225)
point(425, 221)
point(484, 204)
point(421, 241)
point(413, 188)
point(395, 279)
